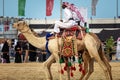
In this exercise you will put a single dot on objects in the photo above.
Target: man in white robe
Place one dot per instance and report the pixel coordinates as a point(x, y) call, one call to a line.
point(68, 22)
point(118, 49)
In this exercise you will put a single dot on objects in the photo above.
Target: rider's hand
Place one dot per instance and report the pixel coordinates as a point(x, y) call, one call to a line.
point(61, 20)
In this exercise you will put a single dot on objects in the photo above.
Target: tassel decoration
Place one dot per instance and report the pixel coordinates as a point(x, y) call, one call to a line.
point(80, 61)
point(62, 71)
point(71, 74)
point(69, 64)
point(83, 72)
point(65, 68)
point(61, 60)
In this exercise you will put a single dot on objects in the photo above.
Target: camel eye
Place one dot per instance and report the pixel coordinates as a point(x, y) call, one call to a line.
point(17, 24)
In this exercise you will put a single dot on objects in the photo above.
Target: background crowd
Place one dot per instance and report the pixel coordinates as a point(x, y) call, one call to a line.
point(20, 52)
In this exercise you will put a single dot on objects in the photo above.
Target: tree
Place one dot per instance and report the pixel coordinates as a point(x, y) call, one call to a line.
point(109, 47)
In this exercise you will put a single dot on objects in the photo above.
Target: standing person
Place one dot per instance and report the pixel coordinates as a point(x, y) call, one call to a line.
point(1, 46)
point(118, 49)
point(18, 51)
point(24, 51)
point(68, 22)
point(12, 52)
point(32, 53)
point(5, 50)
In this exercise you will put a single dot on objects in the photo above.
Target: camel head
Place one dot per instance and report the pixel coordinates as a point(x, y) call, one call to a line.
point(22, 26)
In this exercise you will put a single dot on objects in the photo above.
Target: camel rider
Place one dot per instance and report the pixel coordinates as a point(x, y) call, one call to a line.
point(68, 22)
point(78, 17)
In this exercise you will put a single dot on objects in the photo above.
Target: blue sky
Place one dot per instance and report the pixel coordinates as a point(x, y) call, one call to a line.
point(37, 8)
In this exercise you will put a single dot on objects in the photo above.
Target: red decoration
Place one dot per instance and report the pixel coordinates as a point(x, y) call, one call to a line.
point(80, 69)
point(65, 68)
point(21, 37)
point(62, 72)
point(83, 72)
point(74, 68)
point(80, 65)
point(74, 28)
point(71, 74)
point(67, 48)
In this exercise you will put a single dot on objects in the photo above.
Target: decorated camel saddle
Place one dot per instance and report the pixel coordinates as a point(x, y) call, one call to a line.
point(76, 30)
point(68, 49)
point(69, 36)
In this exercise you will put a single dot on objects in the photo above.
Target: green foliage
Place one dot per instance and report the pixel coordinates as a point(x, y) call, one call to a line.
point(109, 45)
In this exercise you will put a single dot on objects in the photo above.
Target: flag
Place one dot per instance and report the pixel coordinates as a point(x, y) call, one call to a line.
point(93, 6)
point(21, 7)
point(49, 7)
point(6, 25)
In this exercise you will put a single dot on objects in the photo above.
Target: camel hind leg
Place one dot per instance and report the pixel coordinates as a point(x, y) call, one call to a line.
point(91, 46)
point(102, 64)
point(105, 60)
point(88, 65)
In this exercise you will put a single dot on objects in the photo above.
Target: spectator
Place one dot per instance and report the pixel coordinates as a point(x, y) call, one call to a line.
point(32, 53)
point(41, 55)
point(24, 51)
point(18, 51)
point(1, 46)
point(5, 50)
point(12, 52)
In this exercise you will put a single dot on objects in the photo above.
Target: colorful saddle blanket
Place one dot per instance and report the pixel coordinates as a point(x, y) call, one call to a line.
point(79, 32)
point(68, 48)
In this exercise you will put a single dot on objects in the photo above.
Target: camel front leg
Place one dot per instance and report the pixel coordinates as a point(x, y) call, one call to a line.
point(57, 58)
point(47, 65)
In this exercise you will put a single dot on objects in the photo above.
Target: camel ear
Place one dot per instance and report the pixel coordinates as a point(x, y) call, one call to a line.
point(26, 23)
point(18, 24)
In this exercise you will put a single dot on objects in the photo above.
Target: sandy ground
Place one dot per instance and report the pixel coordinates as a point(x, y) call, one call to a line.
point(35, 71)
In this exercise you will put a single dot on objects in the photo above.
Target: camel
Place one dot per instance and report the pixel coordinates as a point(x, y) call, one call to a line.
point(90, 44)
